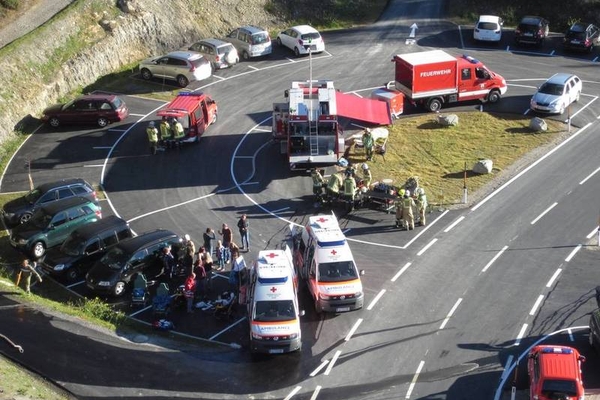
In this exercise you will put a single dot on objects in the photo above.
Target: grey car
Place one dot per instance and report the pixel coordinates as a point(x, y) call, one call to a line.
point(251, 41)
point(181, 66)
point(221, 54)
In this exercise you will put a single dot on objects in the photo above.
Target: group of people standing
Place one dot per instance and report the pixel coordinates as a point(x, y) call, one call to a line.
point(169, 134)
point(406, 205)
point(345, 183)
point(201, 264)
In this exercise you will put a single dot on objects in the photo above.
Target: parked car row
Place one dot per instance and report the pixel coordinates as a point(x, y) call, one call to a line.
point(534, 30)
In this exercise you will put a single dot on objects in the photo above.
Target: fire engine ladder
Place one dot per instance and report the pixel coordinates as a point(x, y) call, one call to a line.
point(313, 137)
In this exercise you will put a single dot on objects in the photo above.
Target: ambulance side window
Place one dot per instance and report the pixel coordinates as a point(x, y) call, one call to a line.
point(310, 254)
point(466, 74)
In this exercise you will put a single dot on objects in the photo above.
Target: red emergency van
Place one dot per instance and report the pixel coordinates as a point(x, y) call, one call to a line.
point(555, 372)
point(195, 111)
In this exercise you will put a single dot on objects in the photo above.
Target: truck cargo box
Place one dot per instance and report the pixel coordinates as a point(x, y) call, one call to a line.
point(426, 74)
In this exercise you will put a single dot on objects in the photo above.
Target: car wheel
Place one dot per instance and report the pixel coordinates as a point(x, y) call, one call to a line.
point(279, 42)
point(214, 119)
point(146, 74)
point(213, 67)
point(577, 97)
point(119, 289)
point(562, 110)
point(182, 81)
point(24, 218)
point(434, 105)
point(72, 274)
point(54, 122)
point(38, 249)
point(102, 122)
point(296, 52)
point(493, 96)
point(245, 55)
point(318, 308)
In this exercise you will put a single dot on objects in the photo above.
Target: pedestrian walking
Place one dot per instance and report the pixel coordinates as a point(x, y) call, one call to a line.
point(25, 272)
point(190, 252)
point(189, 291)
point(421, 205)
point(209, 237)
point(368, 143)
point(243, 225)
point(408, 205)
point(152, 133)
point(227, 235)
point(165, 133)
point(220, 255)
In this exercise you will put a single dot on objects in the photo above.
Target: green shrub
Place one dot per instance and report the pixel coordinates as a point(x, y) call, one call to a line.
point(10, 4)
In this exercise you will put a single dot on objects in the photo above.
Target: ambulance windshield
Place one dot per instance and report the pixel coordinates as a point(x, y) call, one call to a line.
point(275, 310)
point(337, 271)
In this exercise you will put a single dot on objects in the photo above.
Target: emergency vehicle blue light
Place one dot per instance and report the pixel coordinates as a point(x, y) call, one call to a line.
point(470, 59)
point(282, 279)
point(557, 350)
point(189, 94)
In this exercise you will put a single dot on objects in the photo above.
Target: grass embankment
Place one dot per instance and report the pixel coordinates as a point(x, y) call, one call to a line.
point(419, 146)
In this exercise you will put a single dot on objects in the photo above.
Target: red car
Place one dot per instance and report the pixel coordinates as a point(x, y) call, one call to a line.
point(555, 373)
point(98, 109)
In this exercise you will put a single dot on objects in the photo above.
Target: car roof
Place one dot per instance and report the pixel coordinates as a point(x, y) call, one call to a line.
point(214, 42)
point(97, 96)
point(560, 78)
point(44, 187)
point(185, 55)
point(579, 27)
point(252, 29)
point(558, 362)
point(531, 20)
point(304, 28)
point(61, 205)
point(489, 18)
point(100, 225)
point(133, 244)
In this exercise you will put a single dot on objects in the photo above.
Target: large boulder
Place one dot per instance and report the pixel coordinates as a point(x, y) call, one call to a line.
point(538, 125)
point(483, 167)
point(447, 120)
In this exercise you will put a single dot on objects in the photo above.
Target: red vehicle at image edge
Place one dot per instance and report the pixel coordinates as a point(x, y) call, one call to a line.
point(195, 111)
point(432, 78)
point(555, 373)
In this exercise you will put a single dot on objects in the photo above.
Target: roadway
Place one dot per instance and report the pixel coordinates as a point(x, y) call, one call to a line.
point(449, 307)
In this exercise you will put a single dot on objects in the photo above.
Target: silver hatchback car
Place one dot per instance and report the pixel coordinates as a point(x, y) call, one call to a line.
point(182, 66)
point(221, 54)
point(251, 41)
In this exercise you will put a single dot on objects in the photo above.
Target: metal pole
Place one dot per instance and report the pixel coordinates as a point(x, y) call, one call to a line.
point(465, 192)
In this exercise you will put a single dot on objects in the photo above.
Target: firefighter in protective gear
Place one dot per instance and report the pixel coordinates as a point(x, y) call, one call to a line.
point(165, 133)
point(367, 176)
point(318, 182)
point(408, 216)
point(350, 189)
point(177, 130)
point(368, 143)
point(152, 133)
point(421, 205)
point(334, 184)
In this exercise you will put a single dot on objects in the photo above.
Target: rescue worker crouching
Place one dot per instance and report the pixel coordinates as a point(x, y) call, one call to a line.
point(318, 183)
point(166, 137)
point(333, 186)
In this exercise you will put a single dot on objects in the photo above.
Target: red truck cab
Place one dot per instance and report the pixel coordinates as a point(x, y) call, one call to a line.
point(555, 372)
point(195, 111)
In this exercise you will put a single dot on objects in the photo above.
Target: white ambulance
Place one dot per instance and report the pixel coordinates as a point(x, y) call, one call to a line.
point(273, 311)
point(325, 261)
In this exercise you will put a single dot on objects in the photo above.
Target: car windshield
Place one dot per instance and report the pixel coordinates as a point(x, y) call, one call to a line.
point(115, 259)
point(311, 35)
point(225, 49)
point(259, 38)
point(554, 89)
point(117, 103)
point(553, 387)
point(576, 35)
point(74, 245)
point(40, 219)
point(199, 62)
point(69, 104)
point(276, 310)
point(337, 271)
point(32, 196)
point(490, 26)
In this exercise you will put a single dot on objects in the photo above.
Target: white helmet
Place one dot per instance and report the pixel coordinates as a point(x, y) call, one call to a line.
point(407, 193)
point(365, 166)
point(151, 124)
point(420, 191)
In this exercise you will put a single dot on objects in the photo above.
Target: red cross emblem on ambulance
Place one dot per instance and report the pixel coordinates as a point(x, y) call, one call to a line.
point(322, 219)
point(271, 255)
point(273, 289)
point(333, 252)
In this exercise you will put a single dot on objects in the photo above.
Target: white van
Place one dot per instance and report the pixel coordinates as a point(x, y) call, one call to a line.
point(325, 261)
point(273, 311)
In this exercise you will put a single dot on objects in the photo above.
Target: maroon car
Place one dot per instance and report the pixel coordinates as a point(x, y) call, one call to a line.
point(97, 109)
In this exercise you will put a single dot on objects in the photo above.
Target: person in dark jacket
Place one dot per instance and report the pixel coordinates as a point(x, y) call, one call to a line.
point(243, 227)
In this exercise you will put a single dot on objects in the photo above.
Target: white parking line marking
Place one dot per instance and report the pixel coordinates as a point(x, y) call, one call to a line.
point(520, 335)
point(219, 77)
point(293, 392)
point(575, 250)
point(414, 380)
point(506, 370)
point(254, 68)
point(228, 328)
point(263, 130)
point(544, 213)
point(173, 206)
point(424, 249)
point(332, 363)
point(319, 368)
point(316, 393)
point(280, 210)
point(137, 115)
point(140, 311)
point(401, 272)
point(494, 259)
point(376, 299)
point(589, 176)
point(570, 332)
point(452, 225)
point(354, 328)
point(592, 233)
point(93, 166)
point(551, 281)
point(536, 305)
point(450, 313)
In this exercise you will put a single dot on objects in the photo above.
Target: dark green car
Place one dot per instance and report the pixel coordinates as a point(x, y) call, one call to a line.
point(50, 225)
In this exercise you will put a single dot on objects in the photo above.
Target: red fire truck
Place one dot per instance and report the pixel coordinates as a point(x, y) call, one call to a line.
point(307, 125)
